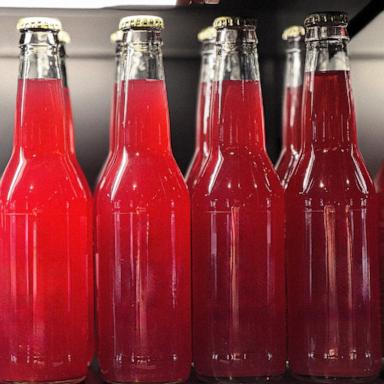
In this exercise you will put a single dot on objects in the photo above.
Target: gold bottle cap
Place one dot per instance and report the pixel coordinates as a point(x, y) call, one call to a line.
point(293, 32)
point(141, 21)
point(229, 21)
point(43, 23)
point(64, 37)
point(116, 37)
point(205, 34)
point(334, 18)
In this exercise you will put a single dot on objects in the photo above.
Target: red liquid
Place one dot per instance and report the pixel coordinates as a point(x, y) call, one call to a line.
point(379, 183)
point(45, 246)
point(71, 141)
point(237, 245)
point(333, 266)
point(87, 190)
point(202, 147)
point(143, 241)
point(291, 134)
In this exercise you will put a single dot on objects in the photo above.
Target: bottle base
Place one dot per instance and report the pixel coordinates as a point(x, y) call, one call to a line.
point(68, 381)
point(143, 382)
point(333, 380)
point(238, 380)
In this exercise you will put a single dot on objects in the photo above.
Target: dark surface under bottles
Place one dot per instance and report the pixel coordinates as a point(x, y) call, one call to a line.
point(94, 377)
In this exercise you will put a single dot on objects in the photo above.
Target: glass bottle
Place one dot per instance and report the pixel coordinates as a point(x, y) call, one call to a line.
point(292, 100)
point(238, 226)
point(379, 184)
point(332, 258)
point(143, 228)
point(116, 38)
point(45, 228)
point(207, 37)
point(64, 39)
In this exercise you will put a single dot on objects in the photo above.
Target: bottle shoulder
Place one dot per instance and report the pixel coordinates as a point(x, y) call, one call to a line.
point(48, 179)
point(331, 173)
point(141, 177)
point(243, 176)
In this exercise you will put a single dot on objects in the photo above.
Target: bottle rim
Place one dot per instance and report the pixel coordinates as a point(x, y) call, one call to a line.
point(293, 32)
point(324, 19)
point(141, 22)
point(64, 37)
point(234, 21)
point(206, 34)
point(39, 23)
point(116, 37)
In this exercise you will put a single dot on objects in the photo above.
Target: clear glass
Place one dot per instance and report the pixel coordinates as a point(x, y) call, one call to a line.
point(292, 101)
point(120, 47)
point(238, 230)
point(46, 290)
point(332, 258)
point(143, 233)
point(207, 72)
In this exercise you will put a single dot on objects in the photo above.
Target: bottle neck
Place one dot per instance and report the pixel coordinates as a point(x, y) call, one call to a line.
point(237, 111)
point(207, 72)
point(142, 55)
point(116, 94)
point(40, 110)
point(292, 98)
point(63, 55)
point(329, 114)
point(143, 118)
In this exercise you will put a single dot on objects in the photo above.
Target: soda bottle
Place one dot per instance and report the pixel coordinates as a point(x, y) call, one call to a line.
point(143, 228)
point(45, 227)
point(292, 99)
point(238, 226)
point(116, 38)
point(379, 184)
point(207, 37)
point(64, 39)
point(332, 258)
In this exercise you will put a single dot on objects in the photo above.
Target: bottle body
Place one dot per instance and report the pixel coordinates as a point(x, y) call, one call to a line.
point(143, 241)
point(332, 259)
point(237, 242)
point(46, 246)
point(379, 185)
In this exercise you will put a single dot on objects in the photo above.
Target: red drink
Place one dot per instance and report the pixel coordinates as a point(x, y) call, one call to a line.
point(45, 234)
point(208, 38)
point(333, 266)
point(71, 142)
point(143, 235)
point(237, 233)
point(291, 104)
point(70, 139)
point(379, 183)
